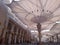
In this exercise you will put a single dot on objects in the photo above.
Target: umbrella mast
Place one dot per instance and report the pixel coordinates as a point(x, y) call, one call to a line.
point(39, 32)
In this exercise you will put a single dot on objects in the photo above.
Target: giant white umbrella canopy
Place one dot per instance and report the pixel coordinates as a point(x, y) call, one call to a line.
point(56, 28)
point(32, 11)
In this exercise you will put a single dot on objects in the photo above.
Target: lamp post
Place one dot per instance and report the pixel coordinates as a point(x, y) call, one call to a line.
point(39, 32)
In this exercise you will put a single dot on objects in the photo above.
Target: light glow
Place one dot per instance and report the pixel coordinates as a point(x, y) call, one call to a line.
point(34, 31)
point(58, 22)
point(16, 0)
point(45, 31)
